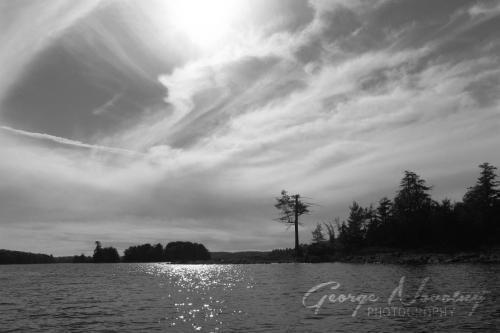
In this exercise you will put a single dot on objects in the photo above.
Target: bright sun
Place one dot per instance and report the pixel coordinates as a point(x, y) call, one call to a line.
point(205, 22)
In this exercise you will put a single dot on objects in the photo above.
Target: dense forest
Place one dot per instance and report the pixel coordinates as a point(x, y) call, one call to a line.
point(173, 252)
point(413, 220)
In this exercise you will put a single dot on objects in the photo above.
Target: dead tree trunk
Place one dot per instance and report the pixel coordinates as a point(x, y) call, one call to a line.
point(296, 211)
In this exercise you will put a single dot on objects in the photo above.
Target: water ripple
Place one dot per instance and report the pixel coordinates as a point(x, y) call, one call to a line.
point(220, 298)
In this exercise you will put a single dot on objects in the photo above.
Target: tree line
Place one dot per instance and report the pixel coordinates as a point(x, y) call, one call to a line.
point(413, 220)
point(172, 252)
point(18, 257)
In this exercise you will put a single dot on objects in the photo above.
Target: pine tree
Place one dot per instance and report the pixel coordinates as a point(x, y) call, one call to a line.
point(412, 206)
point(355, 224)
point(485, 193)
point(412, 195)
point(482, 203)
point(317, 234)
point(384, 211)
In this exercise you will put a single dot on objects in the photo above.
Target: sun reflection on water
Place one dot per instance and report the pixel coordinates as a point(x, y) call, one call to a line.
point(195, 294)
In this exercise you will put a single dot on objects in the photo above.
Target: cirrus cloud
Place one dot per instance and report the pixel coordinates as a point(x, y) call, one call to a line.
point(333, 101)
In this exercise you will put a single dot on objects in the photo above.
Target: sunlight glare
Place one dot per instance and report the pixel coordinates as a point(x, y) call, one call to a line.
point(205, 22)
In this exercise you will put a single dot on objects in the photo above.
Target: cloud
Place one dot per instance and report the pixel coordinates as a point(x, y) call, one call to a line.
point(484, 9)
point(27, 28)
point(333, 104)
point(68, 142)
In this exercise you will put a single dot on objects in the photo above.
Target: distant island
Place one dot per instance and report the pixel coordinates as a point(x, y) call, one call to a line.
point(411, 228)
point(176, 252)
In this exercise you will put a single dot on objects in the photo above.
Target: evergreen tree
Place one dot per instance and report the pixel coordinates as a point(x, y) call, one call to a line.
point(384, 211)
point(482, 206)
point(485, 194)
point(385, 232)
point(355, 225)
point(317, 234)
point(412, 205)
point(412, 196)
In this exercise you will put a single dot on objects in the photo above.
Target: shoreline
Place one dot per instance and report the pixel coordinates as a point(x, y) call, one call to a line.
point(487, 256)
point(424, 258)
point(389, 257)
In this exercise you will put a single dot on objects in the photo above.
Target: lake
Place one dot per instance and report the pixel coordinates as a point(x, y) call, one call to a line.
point(249, 298)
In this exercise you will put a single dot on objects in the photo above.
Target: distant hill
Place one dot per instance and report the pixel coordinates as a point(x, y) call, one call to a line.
point(18, 257)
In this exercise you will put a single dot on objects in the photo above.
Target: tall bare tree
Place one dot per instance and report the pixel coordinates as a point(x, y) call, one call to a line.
point(291, 207)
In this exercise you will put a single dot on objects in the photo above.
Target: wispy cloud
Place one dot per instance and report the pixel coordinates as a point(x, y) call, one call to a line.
point(28, 28)
point(334, 102)
point(68, 142)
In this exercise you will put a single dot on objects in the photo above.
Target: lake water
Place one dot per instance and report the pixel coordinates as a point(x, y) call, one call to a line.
point(249, 298)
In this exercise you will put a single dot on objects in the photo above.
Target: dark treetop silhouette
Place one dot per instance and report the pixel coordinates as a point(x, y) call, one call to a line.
point(18, 257)
point(173, 252)
point(413, 221)
point(106, 254)
point(290, 206)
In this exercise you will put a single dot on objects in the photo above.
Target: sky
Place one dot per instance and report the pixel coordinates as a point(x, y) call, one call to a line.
point(135, 122)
